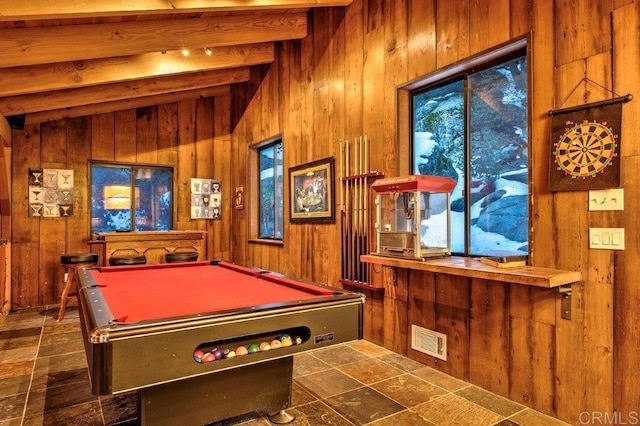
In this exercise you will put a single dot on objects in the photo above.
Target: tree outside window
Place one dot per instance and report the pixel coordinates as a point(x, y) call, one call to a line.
point(271, 206)
point(473, 127)
point(121, 192)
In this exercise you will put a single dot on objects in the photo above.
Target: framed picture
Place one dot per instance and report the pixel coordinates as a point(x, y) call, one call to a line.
point(312, 191)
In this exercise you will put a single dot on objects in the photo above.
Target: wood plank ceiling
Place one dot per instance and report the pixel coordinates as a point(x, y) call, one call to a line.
point(66, 58)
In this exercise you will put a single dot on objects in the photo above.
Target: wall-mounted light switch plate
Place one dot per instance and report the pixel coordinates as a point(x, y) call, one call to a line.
point(606, 199)
point(606, 238)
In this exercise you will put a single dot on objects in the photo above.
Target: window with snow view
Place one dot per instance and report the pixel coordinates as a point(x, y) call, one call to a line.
point(271, 189)
point(473, 126)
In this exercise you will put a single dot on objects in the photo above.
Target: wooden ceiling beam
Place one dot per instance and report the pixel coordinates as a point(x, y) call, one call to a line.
point(25, 104)
point(42, 45)
point(105, 107)
point(12, 10)
point(70, 75)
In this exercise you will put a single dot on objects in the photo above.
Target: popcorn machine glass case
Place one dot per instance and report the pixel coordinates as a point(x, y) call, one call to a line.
point(413, 216)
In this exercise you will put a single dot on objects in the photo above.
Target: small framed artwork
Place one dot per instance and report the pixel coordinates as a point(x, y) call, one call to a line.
point(239, 198)
point(312, 191)
point(206, 199)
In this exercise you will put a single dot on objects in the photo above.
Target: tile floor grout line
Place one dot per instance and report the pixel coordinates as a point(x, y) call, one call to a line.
point(333, 395)
point(33, 370)
point(101, 411)
point(322, 401)
point(516, 413)
point(390, 415)
point(433, 398)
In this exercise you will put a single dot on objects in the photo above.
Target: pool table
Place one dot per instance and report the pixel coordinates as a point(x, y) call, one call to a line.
point(170, 331)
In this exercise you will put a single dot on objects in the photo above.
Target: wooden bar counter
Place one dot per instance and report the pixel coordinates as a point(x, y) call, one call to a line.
point(473, 268)
point(153, 244)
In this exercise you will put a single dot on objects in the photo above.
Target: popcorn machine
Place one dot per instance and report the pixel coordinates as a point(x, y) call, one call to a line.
point(413, 216)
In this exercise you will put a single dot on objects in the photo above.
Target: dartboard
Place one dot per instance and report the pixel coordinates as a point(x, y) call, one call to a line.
point(585, 149)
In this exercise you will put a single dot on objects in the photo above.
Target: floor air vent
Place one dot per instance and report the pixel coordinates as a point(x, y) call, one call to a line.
point(429, 342)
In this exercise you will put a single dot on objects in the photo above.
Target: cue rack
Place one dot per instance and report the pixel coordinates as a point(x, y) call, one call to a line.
point(355, 175)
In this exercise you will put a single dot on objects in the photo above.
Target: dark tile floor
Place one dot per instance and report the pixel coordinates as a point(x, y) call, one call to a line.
point(44, 381)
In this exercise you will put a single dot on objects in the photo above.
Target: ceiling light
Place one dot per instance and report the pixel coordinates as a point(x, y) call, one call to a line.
point(185, 52)
point(207, 51)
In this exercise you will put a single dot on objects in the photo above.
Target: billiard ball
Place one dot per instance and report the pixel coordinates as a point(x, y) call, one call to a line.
point(197, 355)
point(297, 340)
point(241, 350)
point(208, 357)
point(264, 346)
point(253, 348)
point(217, 353)
point(285, 340)
point(275, 344)
point(228, 353)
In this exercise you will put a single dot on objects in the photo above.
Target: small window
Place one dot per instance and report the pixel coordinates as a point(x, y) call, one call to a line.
point(121, 192)
point(473, 126)
point(270, 188)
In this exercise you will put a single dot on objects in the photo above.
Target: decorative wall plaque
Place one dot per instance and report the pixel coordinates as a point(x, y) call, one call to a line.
point(50, 193)
point(206, 199)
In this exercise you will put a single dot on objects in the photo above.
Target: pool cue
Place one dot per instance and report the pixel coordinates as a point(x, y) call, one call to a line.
point(367, 169)
point(354, 222)
point(358, 164)
point(348, 211)
point(366, 155)
point(345, 182)
point(362, 216)
point(353, 210)
point(342, 224)
point(363, 219)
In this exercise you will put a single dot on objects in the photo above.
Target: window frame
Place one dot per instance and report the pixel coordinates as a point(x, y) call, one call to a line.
point(254, 191)
point(456, 72)
point(132, 166)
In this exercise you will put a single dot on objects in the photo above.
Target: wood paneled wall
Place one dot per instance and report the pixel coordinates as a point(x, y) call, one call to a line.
point(5, 217)
point(192, 136)
point(341, 82)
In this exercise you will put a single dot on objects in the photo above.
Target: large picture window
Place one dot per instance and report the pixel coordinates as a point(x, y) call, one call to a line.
point(131, 197)
point(270, 188)
point(473, 127)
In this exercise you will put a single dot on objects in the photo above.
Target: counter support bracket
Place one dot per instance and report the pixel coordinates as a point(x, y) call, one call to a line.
point(565, 305)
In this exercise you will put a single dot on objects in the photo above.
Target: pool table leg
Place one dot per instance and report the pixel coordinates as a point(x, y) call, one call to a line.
point(220, 395)
point(282, 418)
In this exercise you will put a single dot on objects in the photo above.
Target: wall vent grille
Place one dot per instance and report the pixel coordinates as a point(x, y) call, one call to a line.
point(429, 342)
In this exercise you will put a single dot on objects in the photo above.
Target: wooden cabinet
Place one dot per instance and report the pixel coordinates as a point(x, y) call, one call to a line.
point(153, 244)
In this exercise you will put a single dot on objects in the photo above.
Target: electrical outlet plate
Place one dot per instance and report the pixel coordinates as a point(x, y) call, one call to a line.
point(606, 238)
point(606, 199)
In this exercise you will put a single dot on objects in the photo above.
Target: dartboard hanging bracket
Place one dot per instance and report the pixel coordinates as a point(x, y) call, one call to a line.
point(585, 142)
point(615, 100)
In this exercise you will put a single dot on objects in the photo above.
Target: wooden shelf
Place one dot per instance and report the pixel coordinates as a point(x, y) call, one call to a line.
point(364, 286)
point(363, 176)
point(473, 268)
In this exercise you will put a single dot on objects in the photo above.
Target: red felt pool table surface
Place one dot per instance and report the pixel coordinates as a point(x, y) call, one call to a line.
point(152, 292)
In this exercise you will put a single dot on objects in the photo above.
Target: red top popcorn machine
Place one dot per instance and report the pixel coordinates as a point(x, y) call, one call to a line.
point(413, 216)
